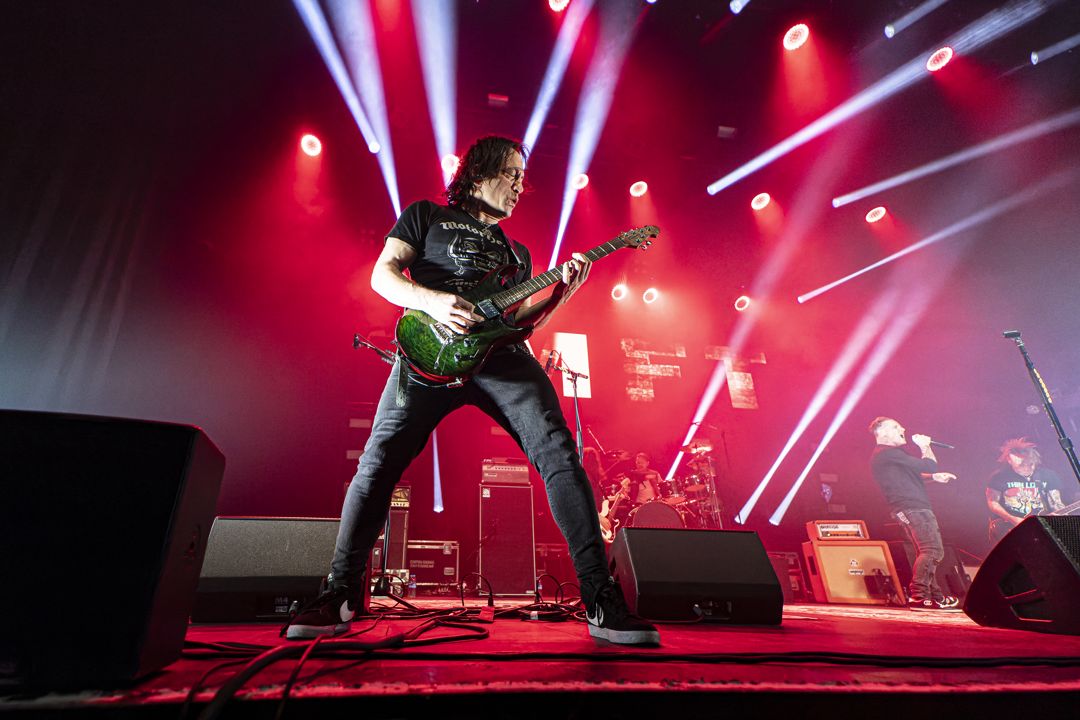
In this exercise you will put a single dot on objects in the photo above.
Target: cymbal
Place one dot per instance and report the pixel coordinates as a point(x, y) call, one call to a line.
point(691, 489)
point(696, 449)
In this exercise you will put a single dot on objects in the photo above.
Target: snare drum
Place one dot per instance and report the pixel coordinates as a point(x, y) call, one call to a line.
point(657, 514)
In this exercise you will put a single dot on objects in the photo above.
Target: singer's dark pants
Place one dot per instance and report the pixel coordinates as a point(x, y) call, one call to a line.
point(922, 529)
point(513, 389)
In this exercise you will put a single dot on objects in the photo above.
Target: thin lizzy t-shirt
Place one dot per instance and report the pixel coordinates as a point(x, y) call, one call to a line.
point(1021, 496)
point(455, 250)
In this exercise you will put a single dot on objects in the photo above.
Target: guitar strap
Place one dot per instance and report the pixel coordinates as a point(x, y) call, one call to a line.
point(402, 378)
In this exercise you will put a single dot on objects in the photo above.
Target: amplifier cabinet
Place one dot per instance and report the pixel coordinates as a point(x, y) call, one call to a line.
point(434, 562)
point(507, 554)
point(859, 572)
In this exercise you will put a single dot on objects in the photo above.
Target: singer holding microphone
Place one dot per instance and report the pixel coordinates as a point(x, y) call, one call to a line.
point(902, 479)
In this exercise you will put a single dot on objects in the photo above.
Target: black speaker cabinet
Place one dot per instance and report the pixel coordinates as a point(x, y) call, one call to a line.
point(507, 545)
point(103, 526)
point(716, 575)
point(1031, 579)
point(257, 567)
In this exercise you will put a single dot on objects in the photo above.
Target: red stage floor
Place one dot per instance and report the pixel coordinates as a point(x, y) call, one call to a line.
point(823, 661)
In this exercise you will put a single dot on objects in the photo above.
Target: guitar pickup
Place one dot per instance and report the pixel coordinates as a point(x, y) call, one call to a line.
point(487, 309)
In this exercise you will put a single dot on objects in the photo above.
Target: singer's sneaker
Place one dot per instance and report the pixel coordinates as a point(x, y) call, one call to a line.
point(328, 614)
point(947, 604)
point(609, 619)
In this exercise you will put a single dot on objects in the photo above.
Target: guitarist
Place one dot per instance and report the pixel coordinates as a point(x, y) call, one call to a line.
point(1020, 488)
point(431, 256)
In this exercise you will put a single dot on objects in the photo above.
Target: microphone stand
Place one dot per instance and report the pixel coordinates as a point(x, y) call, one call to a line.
point(574, 377)
point(1048, 403)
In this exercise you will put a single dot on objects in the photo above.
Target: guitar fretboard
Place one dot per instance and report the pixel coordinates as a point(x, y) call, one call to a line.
point(516, 294)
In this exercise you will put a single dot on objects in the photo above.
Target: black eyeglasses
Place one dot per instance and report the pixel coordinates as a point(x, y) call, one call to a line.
point(514, 174)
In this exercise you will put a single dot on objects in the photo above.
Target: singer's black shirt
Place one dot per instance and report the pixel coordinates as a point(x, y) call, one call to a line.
point(900, 476)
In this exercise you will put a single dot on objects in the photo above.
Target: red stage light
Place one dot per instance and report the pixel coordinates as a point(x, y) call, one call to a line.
point(939, 59)
point(558, 5)
point(796, 37)
point(580, 181)
point(742, 302)
point(760, 201)
point(876, 214)
point(639, 188)
point(450, 163)
point(311, 145)
point(650, 296)
point(619, 291)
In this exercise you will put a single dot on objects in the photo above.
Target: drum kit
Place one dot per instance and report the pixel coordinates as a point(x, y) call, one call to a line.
point(688, 501)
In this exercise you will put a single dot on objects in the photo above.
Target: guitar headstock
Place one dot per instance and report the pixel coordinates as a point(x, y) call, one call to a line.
point(641, 237)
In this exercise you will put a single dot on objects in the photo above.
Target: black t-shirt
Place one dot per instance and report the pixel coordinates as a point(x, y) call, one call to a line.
point(900, 476)
point(1023, 497)
point(455, 250)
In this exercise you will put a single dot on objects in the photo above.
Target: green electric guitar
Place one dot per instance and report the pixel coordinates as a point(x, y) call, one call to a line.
point(439, 354)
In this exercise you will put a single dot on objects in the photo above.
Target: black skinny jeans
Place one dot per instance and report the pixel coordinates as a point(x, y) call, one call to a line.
point(513, 389)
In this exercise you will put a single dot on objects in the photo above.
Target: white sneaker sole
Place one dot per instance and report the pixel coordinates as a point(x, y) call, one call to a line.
point(309, 632)
point(625, 637)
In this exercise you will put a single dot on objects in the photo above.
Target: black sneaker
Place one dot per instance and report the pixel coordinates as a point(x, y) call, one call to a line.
point(609, 619)
point(328, 614)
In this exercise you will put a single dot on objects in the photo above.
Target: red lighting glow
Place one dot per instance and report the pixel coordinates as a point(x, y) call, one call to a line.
point(742, 302)
point(558, 5)
point(639, 188)
point(450, 163)
point(619, 292)
point(311, 145)
point(876, 214)
point(650, 296)
point(939, 59)
point(760, 201)
point(580, 181)
point(796, 37)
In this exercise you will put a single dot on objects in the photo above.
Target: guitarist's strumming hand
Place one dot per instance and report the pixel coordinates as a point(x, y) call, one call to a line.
point(452, 311)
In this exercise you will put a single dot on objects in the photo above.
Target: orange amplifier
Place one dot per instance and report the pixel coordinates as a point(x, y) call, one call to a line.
point(846, 566)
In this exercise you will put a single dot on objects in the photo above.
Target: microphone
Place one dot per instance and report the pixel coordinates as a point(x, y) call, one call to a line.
point(936, 443)
point(1011, 334)
point(550, 362)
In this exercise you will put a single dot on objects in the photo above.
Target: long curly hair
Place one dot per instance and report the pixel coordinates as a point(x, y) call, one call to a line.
point(484, 159)
point(1021, 447)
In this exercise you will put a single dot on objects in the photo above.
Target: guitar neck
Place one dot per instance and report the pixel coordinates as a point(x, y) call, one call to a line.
point(511, 297)
point(1068, 509)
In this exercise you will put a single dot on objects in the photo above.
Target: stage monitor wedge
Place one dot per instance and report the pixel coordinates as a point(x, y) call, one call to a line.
point(1031, 579)
point(721, 576)
point(103, 525)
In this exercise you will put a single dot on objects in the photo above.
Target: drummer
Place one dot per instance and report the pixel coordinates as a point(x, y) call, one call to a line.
point(644, 481)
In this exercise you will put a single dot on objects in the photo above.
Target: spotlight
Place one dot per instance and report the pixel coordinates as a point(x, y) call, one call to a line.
point(760, 201)
point(558, 5)
point(650, 296)
point(876, 214)
point(450, 163)
point(580, 181)
point(639, 188)
point(742, 302)
point(737, 6)
point(311, 145)
point(939, 59)
point(796, 37)
point(619, 292)
point(890, 31)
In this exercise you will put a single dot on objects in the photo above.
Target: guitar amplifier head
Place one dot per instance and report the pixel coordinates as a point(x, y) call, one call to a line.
point(824, 530)
point(514, 471)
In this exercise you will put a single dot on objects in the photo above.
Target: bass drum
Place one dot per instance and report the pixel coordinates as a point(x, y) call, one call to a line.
point(657, 514)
